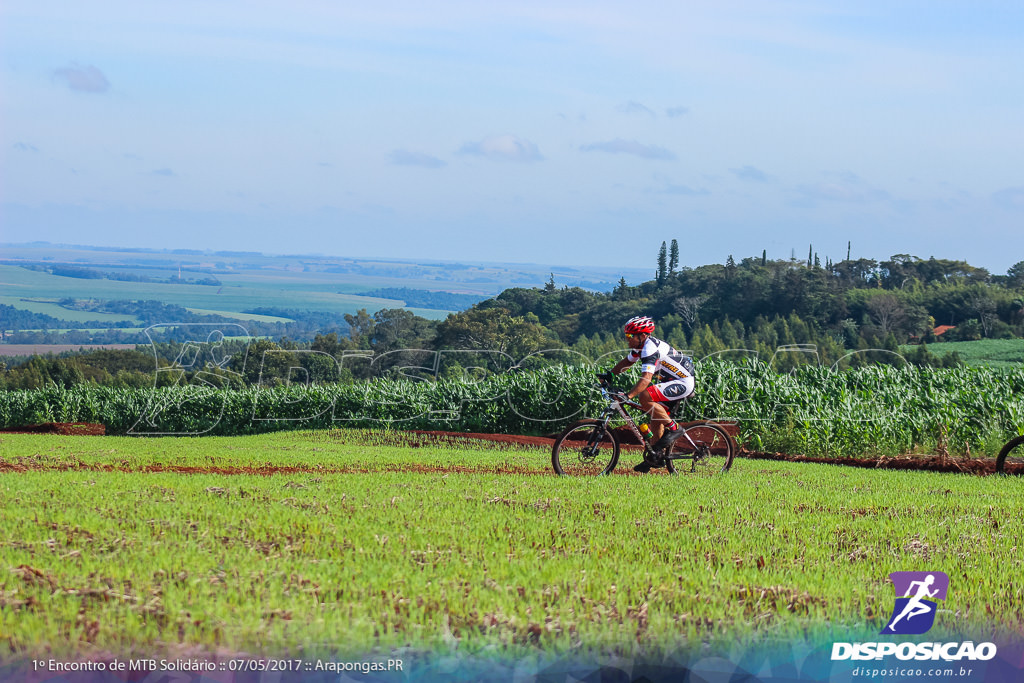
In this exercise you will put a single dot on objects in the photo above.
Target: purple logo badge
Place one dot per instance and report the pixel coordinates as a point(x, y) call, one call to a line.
point(916, 595)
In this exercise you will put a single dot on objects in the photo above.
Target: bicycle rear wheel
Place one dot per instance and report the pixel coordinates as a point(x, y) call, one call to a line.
point(586, 448)
point(707, 447)
point(1011, 459)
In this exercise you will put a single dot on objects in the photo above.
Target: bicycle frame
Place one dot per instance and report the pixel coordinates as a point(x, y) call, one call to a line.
point(615, 406)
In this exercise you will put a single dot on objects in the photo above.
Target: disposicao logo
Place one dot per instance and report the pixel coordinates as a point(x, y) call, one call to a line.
point(916, 595)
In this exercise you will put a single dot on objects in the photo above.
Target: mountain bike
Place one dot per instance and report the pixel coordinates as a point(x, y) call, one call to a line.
point(590, 447)
point(1011, 464)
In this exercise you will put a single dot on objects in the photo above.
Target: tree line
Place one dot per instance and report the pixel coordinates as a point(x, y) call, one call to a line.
point(18, 326)
point(787, 311)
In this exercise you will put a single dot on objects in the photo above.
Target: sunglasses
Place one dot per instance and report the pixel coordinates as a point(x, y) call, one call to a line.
point(630, 335)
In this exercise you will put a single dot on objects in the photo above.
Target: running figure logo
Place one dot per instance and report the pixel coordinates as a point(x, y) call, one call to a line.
point(914, 612)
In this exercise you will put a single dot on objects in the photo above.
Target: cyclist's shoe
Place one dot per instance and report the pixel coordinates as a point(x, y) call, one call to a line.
point(643, 467)
point(666, 440)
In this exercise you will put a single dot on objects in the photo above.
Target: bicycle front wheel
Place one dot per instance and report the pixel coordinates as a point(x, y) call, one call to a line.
point(586, 448)
point(1008, 461)
point(707, 447)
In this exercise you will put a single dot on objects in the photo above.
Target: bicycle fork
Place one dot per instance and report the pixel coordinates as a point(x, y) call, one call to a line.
point(597, 436)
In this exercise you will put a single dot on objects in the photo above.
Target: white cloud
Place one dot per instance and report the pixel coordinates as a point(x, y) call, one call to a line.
point(503, 148)
point(1010, 198)
point(632, 107)
point(845, 187)
point(83, 78)
point(620, 146)
point(749, 173)
point(403, 157)
point(683, 190)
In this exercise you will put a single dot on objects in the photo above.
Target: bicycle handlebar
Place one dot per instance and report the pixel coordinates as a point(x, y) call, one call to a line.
point(618, 396)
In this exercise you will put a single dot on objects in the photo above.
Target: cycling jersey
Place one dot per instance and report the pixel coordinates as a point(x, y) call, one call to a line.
point(661, 360)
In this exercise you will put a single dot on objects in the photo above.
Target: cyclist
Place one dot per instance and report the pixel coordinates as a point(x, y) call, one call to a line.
point(674, 372)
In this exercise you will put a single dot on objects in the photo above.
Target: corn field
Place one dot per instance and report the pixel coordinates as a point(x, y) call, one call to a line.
point(812, 410)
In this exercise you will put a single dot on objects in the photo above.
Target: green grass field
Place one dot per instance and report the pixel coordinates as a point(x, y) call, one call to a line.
point(51, 307)
point(238, 293)
point(350, 275)
point(373, 547)
point(126, 330)
point(995, 352)
point(241, 316)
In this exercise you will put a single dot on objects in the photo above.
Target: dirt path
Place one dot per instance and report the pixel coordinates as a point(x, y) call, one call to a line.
point(922, 463)
point(65, 428)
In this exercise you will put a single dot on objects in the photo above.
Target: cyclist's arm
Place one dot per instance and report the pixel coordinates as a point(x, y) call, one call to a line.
point(622, 365)
point(645, 380)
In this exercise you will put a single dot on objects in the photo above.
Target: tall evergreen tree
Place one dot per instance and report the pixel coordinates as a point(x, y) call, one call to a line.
point(764, 257)
point(621, 290)
point(810, 254)
point(673, 257)
point(662, 274)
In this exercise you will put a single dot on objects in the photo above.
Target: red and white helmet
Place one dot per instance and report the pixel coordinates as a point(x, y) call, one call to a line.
point(641, 324)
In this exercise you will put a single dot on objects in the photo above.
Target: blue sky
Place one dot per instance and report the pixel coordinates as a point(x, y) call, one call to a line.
point(546, 132)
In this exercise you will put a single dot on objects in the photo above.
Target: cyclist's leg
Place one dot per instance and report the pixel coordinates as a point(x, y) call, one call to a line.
point(653, 403)
point(666, 395)
point(659, 419)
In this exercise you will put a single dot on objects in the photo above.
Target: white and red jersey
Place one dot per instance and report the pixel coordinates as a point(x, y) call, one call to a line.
point(661, 360)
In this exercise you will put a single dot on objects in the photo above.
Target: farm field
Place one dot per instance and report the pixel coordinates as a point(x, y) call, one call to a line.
point(241, 316)
point(995, 352)
point(350, 275)
point(145, 547)
point(237, 294)
point(49, 306)
point(43, 349)
point(249, 280)
point(125, 330)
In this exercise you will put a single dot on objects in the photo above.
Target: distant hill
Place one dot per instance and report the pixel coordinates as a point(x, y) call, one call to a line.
point(418, 298)
point(356, 273)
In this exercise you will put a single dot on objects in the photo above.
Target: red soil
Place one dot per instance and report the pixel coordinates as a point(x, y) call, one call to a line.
point(66, 428)
point(926, 463)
